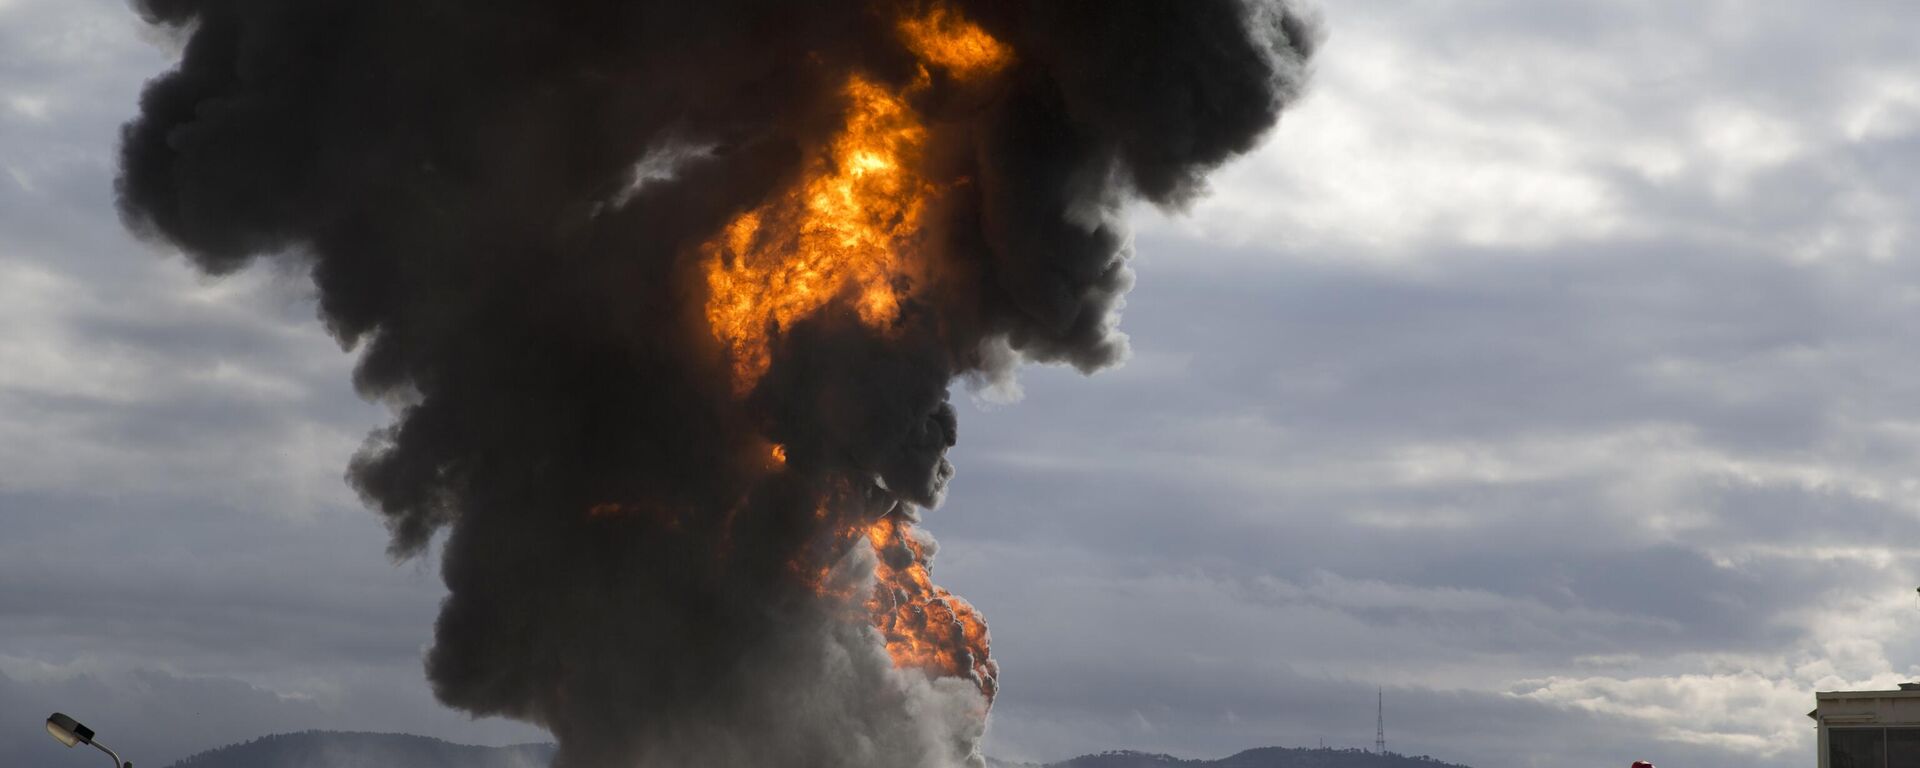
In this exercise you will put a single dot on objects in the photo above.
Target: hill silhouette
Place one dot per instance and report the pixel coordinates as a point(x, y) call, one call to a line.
point(1263, 757)
point(350, 749)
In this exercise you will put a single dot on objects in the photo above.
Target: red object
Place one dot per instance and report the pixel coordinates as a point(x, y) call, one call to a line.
point(1641, 764)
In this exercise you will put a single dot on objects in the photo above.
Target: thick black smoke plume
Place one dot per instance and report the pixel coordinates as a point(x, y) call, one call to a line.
point(502, 203)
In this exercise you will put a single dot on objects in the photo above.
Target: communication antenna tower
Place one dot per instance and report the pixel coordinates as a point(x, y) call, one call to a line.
point(1380, 721)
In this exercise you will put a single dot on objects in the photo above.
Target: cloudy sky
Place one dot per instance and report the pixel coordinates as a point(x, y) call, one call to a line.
point(1552, 368)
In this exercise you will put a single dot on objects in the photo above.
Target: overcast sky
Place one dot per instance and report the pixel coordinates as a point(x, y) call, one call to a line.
point(1552, 368)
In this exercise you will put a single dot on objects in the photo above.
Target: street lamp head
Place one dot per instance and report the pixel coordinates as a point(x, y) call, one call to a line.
point(68, 730)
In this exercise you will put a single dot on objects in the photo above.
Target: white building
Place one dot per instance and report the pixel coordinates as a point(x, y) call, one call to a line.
point(1869, 729)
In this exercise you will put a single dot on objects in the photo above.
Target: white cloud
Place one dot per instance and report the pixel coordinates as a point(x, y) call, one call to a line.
point(1743, 713)
point(1381, 160)
point(1885, 105)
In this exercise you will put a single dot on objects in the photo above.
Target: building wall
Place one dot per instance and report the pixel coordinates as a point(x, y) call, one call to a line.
point(1873, 710)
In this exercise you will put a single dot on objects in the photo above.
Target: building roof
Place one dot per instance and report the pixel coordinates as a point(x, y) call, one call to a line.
point(1863, 708)
point(1906, 691)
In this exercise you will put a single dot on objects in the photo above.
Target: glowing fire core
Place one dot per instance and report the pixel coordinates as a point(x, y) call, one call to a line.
point(845, 235)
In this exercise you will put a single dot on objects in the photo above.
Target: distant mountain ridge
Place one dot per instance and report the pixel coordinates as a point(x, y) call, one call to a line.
point(1262, 757)
point(352, 749)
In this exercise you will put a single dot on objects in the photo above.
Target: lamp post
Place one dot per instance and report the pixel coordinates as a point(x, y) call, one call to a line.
point(70, 732)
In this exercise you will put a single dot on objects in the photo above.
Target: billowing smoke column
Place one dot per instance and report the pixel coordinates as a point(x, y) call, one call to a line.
point(667, 297)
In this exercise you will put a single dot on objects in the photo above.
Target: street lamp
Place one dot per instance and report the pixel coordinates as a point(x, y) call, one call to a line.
point(71, 732)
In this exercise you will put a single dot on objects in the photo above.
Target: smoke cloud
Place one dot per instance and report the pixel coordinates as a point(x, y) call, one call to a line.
point(510, 209)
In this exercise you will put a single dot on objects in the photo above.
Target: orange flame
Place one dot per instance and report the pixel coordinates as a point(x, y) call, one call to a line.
point(925, 626)
point(841, 231)
point(847, 229)
point(845, 233)
point(944, 39)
